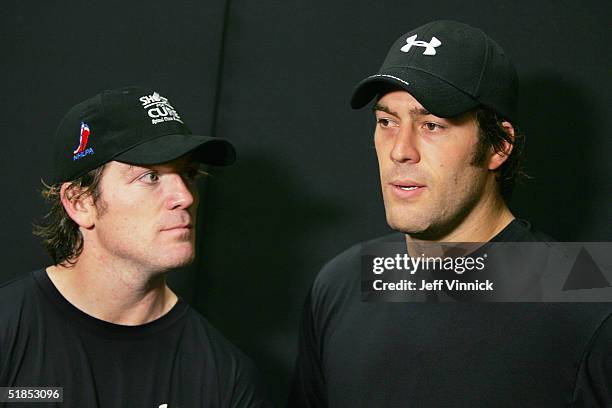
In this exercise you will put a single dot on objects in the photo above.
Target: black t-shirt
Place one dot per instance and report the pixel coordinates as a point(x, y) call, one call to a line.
point(179, 359)
point(448, 354)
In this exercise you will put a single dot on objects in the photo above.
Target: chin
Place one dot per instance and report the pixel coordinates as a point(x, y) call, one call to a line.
point(407, 222)
point(181, 263)
point(177, 259)
point(424, 228)
point(185, 260)
point(406, 228)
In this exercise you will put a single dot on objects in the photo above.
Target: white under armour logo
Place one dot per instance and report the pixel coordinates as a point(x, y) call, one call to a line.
point(430, 47)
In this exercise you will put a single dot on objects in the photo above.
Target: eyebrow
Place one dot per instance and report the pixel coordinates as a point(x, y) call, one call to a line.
point(183, 165)
point(419, 111)
point(383, 108)
point(415, 111)
point(129, 169)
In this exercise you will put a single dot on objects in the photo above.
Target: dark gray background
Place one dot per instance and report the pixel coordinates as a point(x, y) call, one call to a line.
point(275, 78)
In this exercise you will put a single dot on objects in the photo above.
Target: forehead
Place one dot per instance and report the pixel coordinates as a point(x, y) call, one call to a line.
point(399, 103)
point(399, 99)
point(120, 168)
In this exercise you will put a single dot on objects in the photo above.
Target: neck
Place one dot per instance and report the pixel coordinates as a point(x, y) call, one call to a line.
point(112, 293)
point(485, 220)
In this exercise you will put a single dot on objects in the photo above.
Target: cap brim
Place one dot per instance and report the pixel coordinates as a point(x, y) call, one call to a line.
point(437, 96)
point(208, 150)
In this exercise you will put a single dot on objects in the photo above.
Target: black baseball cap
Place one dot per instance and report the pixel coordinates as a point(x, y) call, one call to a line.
point(450, 68)
point(132, 125)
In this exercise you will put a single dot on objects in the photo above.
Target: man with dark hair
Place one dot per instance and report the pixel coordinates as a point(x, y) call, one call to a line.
point(101, 328)
point(449, 153)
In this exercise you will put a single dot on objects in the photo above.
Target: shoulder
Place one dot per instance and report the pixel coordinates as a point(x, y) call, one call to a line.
point(340, 278)
point(236, 372)
point(205, 333)
point(595, 369)
point(521, 230)
point(17, 311)
point(347, 263)
point(18, 284)
point(16, 293)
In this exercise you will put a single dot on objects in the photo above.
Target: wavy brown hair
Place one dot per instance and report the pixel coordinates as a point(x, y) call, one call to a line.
point(60, 235)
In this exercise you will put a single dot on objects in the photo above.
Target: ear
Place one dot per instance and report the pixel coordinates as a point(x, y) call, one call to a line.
point(497, 159)
point(79, 207)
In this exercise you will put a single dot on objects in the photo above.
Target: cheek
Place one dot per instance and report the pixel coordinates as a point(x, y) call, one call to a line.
point(125, 217)
point(377, 146)
point(450, 163)
point(452, 180)
point(119, 226)
point(382, 152)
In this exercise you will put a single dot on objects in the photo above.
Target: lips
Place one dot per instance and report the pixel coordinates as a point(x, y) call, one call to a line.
point(178, 227)
point(407, 185)
point(406, 188)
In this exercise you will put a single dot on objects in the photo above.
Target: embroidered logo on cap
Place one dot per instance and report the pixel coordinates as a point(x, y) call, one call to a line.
point(159, 109)
point(430, 47)
point(83, 150)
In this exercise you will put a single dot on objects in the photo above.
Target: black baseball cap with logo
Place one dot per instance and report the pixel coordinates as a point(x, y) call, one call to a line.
point(450, 68)
point(132, 125)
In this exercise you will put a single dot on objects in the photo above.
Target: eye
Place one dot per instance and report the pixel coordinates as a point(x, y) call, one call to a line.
point(191, 174)
point(432, 127)
point(150, 178)
point(385, 122)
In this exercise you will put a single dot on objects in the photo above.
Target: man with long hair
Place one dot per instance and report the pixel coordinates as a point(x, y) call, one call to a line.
point(101, 326)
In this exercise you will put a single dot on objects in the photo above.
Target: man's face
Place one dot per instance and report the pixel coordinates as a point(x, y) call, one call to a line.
point(146, 215)
point(428, 181)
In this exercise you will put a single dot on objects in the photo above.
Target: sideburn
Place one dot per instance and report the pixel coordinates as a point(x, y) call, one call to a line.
point(481, 152)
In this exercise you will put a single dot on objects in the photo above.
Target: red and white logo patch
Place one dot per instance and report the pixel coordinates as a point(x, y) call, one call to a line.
point(82, 150)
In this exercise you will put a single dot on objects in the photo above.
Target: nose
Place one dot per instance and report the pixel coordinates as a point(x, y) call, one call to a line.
point(180, 196)
point(404, 147)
